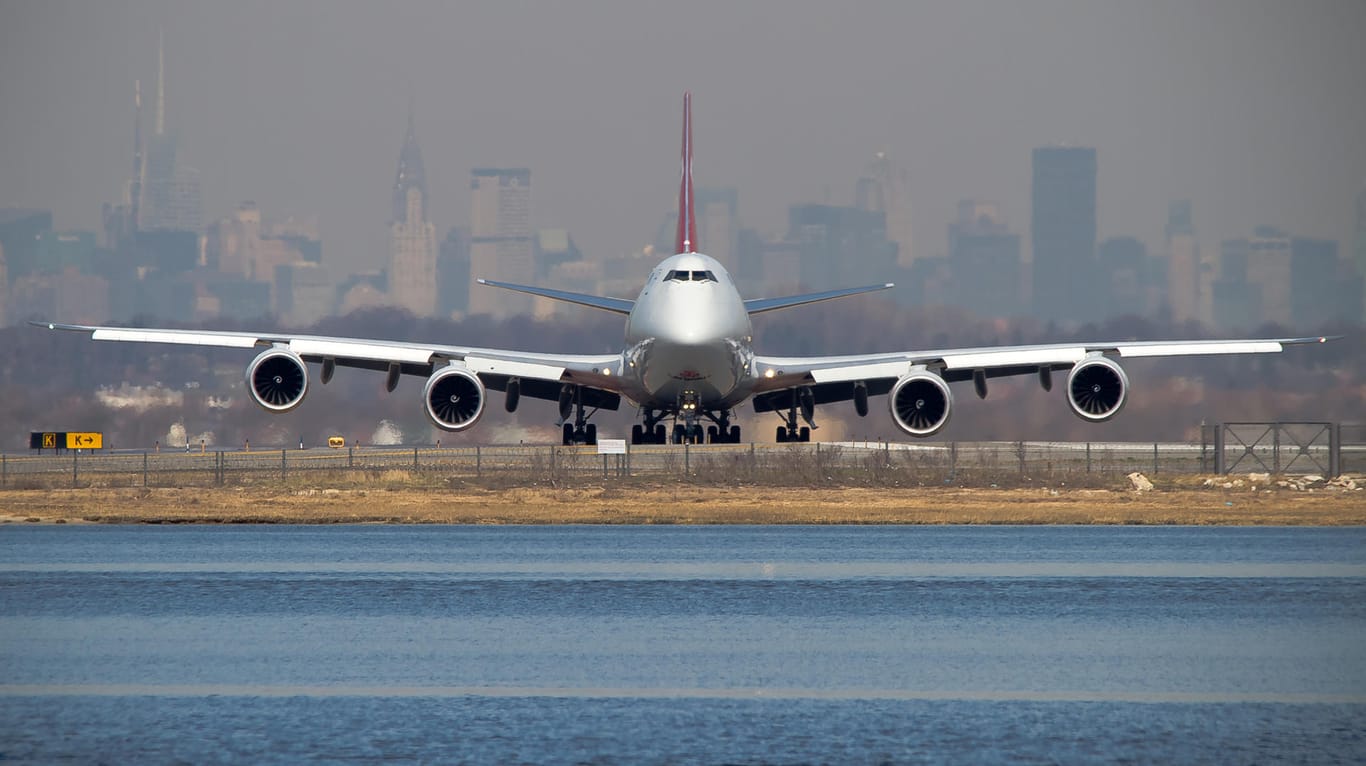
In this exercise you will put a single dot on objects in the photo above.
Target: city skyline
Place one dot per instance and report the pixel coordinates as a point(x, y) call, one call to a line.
point(1250, 112)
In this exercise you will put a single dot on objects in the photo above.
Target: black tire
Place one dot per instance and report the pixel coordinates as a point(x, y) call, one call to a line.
point(781, 438)
point(637, 434)
point(590, 434)
point(661, 434)
point(713, 435)
point(568, 435)
point(735, 434)
point(679, 433)
point(805, 435)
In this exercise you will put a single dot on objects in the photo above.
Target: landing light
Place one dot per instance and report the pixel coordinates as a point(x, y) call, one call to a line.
point(768, 373)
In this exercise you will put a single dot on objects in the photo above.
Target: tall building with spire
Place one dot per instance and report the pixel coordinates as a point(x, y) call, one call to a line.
point(166, 194)
point(412, 238)
point(501, 243)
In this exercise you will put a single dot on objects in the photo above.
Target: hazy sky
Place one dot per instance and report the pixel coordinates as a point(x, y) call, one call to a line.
point(1255, 110)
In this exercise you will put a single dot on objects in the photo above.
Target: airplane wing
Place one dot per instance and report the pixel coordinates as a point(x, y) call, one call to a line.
point(615, 305)
point(760, 305)
point(540, 376)
point(836, 378)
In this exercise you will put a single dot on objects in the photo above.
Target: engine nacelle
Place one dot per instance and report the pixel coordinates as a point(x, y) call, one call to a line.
point(453, 398)
point(1096, 389)
point(921, 403)
point(277, 380)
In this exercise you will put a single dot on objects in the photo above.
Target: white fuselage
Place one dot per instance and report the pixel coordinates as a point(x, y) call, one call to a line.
point(688, 337)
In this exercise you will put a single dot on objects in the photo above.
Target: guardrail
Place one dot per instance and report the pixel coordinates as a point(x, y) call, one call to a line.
point(850, 462)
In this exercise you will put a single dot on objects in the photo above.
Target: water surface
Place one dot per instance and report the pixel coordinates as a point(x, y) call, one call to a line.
point(682, 644)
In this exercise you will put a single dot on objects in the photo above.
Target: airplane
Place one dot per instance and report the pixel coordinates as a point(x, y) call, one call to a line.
point(688, 361)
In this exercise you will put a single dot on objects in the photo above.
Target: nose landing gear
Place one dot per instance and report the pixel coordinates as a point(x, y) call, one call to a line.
point(690, 430)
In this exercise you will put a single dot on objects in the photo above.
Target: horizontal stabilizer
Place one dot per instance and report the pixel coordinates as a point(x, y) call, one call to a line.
point(760, 305)
point(615, 305)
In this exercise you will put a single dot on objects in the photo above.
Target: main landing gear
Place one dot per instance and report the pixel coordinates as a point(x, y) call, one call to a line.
point(803, 401)
point(580, 431)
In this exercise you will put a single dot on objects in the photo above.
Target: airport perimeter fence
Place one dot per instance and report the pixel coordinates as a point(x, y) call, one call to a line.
point(871, 464)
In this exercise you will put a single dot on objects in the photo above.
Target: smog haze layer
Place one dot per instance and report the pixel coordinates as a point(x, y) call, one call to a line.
point(1252, 109)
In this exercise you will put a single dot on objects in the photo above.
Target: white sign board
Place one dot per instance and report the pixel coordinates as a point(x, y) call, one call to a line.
point(611, 446)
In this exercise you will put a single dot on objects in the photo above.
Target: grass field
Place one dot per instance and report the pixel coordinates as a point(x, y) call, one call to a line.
point(396, 496)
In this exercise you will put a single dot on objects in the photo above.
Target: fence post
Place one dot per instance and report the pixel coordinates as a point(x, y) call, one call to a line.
point(1204, 462)
point(604, 466)
point(74, 455)
point(351, 456)
point(687, 459)
point(1020, 455)
point(953, 459)
point(478, 463)
point(1154, 458)
point(1334, 450)
point(4, 470)
point(1088, 457)
point(1219, 448)
point(284, 468)
point(414, 458)
point(144, 468)
point(1276, 448)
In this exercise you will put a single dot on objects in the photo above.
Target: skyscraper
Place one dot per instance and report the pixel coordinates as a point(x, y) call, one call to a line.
point(984, 260)
point(4, 290)
point(1063, 233)
point(885, 188)
point(412, 243)
point(1187, 284)
point(168, 195)
point(501, 245)
point(1360, 246)
point(718, 223)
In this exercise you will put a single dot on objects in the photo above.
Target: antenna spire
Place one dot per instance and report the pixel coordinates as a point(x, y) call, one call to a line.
point(161, 83)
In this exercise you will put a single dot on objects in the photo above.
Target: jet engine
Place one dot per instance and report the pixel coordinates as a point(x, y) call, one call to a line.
point(277, 379)
point(1096, 389)
point(454, 398)
point(920, 403)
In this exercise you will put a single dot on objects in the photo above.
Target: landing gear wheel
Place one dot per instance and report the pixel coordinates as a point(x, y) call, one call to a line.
point(568, 434)
point(590, 434)
point(735, 434)
point(713, 435)
point(679, 433)
point(661, 434)
point(637, 434)
point(805, 435)
point(781, 438)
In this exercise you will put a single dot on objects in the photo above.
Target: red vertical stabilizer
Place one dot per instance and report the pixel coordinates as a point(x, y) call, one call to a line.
point(687, 220)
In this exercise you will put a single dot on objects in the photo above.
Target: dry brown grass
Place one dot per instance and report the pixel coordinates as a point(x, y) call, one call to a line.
point(393, 498)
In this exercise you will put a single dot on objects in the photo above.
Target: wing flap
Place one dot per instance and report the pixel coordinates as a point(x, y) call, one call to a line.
point(179, 337)
point(513, 368)
point(352, 349)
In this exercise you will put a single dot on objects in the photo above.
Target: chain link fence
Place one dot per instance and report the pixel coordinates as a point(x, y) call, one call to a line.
point(861, 463)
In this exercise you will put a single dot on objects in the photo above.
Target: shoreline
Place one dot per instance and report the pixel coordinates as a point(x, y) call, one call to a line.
point(684, 504)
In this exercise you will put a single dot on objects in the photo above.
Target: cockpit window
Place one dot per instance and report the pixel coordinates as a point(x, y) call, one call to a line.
point(678, 275)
